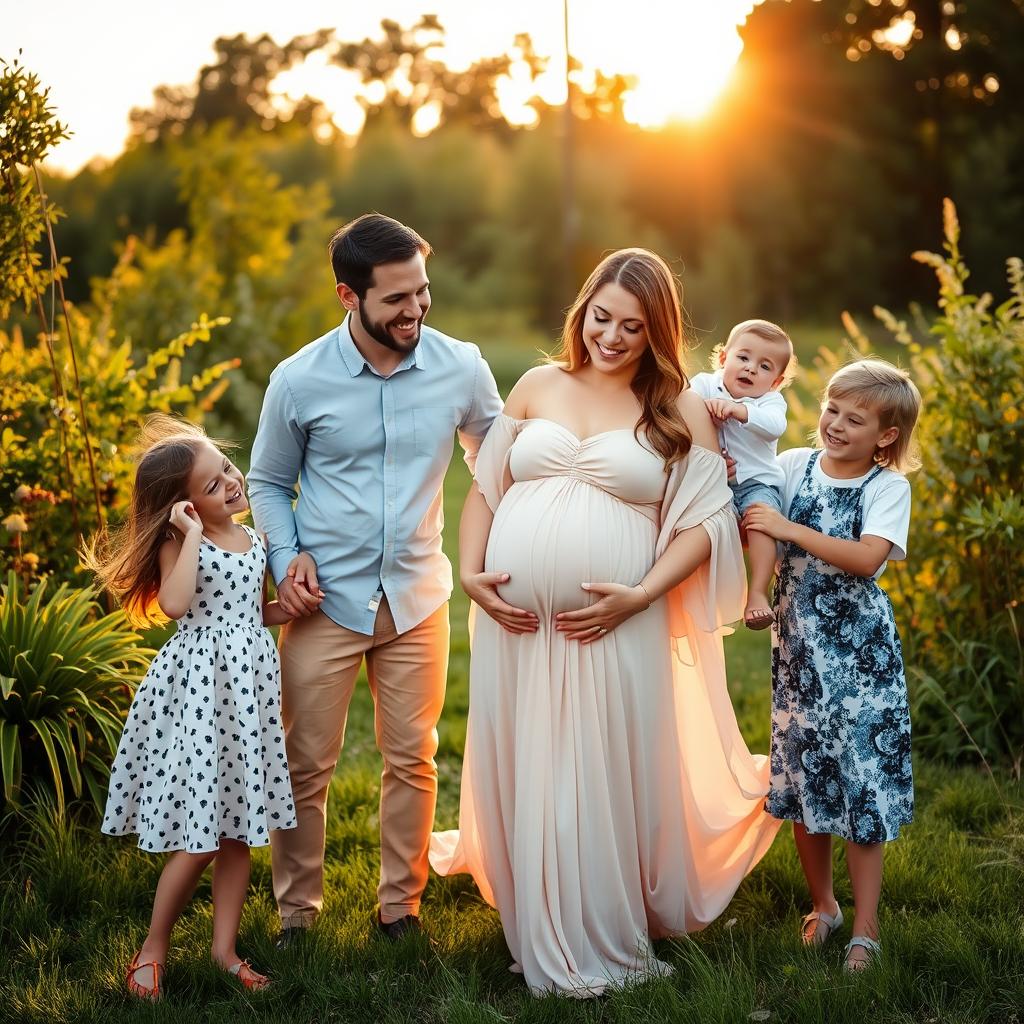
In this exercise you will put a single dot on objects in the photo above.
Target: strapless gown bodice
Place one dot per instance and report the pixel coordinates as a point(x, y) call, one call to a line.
point(616, 461)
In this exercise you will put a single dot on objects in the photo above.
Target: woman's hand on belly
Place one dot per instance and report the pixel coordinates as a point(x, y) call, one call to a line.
point(482, 587)
point(617, 604)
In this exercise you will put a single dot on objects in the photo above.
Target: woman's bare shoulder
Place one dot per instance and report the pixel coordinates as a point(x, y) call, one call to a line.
point(697, 419)
point(528, 389)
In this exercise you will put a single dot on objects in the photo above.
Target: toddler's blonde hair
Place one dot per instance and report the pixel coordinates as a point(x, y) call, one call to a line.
point(762, 329)
point(891, 393)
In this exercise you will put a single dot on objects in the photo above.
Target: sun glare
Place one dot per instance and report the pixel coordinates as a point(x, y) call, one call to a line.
point(680, 56)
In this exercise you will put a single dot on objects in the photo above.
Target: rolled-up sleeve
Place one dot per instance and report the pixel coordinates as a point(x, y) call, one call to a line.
point(277, 456)
point(484, 407)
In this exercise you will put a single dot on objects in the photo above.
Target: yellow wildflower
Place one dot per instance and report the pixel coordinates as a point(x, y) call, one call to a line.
point(15, 523)
point(1011, 415)
point(30, 560)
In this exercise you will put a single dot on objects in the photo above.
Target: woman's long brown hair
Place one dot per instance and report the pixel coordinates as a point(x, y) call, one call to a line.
point(127, 559)
point(660, 377)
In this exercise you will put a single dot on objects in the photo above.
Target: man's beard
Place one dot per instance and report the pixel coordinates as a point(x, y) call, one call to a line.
point(380, 334)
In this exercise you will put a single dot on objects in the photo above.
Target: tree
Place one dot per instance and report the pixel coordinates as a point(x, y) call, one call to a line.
point(959, 73)
point(234, 88)
point(415, 79)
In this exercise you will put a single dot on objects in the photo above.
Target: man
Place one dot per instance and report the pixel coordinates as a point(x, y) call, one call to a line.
point(363, 418)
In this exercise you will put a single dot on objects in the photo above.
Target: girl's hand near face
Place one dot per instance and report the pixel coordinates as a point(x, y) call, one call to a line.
point(185, 518)
point(764, 519)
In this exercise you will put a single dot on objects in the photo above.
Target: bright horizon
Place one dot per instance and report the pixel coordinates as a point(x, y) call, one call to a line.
point(682, 55)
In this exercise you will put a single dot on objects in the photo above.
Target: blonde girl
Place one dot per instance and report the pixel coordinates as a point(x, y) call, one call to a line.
point(840, 758)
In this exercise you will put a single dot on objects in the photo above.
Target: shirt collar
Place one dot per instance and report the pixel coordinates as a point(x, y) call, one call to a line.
point(355, 361)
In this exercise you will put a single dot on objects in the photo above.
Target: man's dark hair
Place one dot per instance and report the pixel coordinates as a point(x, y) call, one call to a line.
point(367, 242)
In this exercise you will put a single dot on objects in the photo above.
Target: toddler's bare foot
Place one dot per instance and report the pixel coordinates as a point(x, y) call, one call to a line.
point(758, 613)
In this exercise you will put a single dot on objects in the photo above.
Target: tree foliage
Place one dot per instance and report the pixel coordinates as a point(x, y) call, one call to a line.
point(824, 166)
point(235, 88)
point(28, 130)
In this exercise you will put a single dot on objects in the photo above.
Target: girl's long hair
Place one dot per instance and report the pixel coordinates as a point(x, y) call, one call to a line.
point(127, 559)
point(660, 377)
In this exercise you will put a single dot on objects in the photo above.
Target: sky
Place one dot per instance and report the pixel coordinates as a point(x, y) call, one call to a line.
point(102, 58)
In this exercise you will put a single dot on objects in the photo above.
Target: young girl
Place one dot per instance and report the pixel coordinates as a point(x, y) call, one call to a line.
point(201, 768)
point(840, 760)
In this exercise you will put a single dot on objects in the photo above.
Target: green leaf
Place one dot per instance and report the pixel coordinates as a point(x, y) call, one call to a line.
point(42, 728)
point(59, 728)
point(10, 761)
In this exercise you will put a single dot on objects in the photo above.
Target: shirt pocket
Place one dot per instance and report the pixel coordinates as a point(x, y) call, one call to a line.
point(433, 428)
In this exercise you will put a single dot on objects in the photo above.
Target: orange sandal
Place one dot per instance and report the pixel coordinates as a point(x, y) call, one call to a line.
point(250, 979)
point(154, 992)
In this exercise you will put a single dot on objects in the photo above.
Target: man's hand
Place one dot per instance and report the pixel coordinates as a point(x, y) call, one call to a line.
point(299, 593)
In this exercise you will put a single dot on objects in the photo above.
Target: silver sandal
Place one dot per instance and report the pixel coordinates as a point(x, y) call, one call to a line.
point(832, 925)
point(873, 949)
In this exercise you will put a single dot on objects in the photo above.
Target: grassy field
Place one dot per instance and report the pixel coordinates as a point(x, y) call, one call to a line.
point(74, 906)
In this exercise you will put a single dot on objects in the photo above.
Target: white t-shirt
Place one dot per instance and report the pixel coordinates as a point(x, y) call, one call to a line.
point(752, 444)
point(886, 499)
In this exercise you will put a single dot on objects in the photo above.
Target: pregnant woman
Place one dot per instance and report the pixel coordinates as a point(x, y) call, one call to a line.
point(608, 797)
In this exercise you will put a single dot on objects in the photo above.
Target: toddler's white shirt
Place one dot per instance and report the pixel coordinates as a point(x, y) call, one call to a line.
point(752, 444)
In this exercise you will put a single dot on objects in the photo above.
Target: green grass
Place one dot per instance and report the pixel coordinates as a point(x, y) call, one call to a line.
point(74, 906)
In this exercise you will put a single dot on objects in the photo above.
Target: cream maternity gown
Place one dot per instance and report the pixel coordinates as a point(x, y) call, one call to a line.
point(608, 797)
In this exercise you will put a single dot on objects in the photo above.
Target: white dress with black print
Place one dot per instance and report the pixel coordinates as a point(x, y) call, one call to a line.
point(202, 754)
point(840, 758)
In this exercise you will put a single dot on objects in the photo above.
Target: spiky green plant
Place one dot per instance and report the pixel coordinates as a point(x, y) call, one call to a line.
point(67, 671)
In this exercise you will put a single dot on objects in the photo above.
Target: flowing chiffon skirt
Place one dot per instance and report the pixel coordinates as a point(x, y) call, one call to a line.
point(608, 798)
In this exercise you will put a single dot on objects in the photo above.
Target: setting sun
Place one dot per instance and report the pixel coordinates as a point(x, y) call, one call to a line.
point(682, 56)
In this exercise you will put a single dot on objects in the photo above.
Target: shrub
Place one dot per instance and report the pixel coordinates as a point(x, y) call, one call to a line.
point(957, 600)
point(67, 672)
point(46, 498)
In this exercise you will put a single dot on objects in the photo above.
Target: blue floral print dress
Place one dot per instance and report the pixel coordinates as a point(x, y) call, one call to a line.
point(840, 756)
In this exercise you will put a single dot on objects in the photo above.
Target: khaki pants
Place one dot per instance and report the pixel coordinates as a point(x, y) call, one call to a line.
point(407, 674)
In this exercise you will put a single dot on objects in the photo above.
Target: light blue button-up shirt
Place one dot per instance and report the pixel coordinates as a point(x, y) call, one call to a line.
point(369, 454)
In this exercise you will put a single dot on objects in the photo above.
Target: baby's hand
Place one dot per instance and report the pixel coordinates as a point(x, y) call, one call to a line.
point(185, 518)
point(722, 409)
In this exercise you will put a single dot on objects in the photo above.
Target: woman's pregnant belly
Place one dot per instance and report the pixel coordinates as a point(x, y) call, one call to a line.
point(551, 535)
